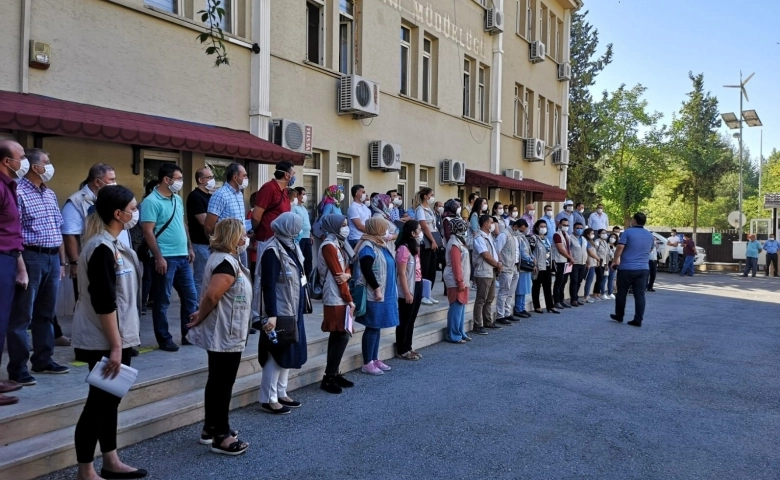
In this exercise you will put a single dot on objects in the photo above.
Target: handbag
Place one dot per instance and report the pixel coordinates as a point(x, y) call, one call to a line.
point(307, 306)
point(143, 249)
point(436, 237)
point(359, 295)
point(315, 285)
point(526, 265)
point(286, 330)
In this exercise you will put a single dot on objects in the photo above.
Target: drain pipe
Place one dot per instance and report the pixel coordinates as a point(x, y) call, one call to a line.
point(495, 137)
point(563, 180)
point(24, 47)
point(260, 81)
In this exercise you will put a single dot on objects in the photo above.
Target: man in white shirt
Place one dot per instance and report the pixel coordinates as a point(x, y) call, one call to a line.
point(357, 215)
point(672, 243)
point(598, 220)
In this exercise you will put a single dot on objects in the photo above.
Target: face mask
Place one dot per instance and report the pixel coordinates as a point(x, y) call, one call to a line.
point(500, 211)
point(397, 202)
point(548, 213)
point(771, 238)
point(600, 210)
point(244, 184)
point(48, 173)
point(591, 237)
point(292, 181)
point(457, 212)
point(514, 214)
point(176, 186)
point(211, 184)
point(564, 229)
point(542, 231)
point(133, 221)
point(367, 203)
point(304, 199)
point(419, 237)
point(23, 168)
point(295, 201)
point(363, 197)
point(581, 210)
point(569, 208)
point(579, 231)
point(611, 240)
point(344, 232)
point(604, 236)
point(431, 200)
point(339, 197)
point(531, 212)
point(492, 228)
point(440, 210)
point(484, 208)
point(242, 248)
point(388, 235)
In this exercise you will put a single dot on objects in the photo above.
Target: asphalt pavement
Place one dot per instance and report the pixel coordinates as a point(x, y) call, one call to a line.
point(692, 394)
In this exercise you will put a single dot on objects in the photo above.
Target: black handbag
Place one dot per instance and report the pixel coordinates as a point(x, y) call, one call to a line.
point(526, 265)
point(307, 306)
point(286, 330)
point(436, 237)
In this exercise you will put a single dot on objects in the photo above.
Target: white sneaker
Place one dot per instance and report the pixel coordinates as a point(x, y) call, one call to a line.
point(433, 300)
point(610, 297)
point(426, 301)
point(590, 300)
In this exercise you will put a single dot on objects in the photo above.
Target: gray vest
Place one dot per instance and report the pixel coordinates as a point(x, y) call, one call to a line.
point(509, 254)
point(379, 268)
point(579, 249)
point(88, 331)
point(225, 329)
point(288, 283)
point(82, 201)
point(331, 295)
point(556, 255)
point(465, 265)
point(482, 269)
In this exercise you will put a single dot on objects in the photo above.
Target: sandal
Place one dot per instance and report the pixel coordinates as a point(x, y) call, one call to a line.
point(417, 354)
point(207, 439)
point(236, 448)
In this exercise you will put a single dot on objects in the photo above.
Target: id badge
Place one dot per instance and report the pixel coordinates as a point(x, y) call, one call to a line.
point(303, 280)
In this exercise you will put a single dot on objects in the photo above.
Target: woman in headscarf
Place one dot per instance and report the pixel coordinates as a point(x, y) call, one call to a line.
point(333, 266)
point(524, 278)
point(329, 205)
point(377, 273)
point(381, 205)
point(456, 276)
point(451, 210)
point(281, 285)
point(407, 259)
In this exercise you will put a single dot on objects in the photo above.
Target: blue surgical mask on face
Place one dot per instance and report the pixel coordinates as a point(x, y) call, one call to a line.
point(292, 181)
point(579, 231)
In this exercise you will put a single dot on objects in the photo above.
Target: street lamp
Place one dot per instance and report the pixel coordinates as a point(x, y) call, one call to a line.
point(746, 116)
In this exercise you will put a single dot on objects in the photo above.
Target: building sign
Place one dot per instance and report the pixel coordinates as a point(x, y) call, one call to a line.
point(772, 200)
point(307, 138)
point(424, 14)
point(717, 239)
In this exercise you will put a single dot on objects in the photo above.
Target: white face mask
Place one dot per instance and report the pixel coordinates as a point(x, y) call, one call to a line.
point(542, 231)
point(548, 214)
point(397, 201)
point(295, 201)
point(388, 235)
point(210, 184)
point(344, 232)
point(492, 228)
point(440, 210)
point(304, 199)
point(176, 186)
point(367, 203)
point(48, 173)
point(419, 237)
point(242, 248)
point(564, 229)
point(431, 200)
point(500, 211)
point(23, 168)
point(514, 214)
point(604, 236)
point(363, 197)
point(133, 221)
point(244, 184)
point(591, 237)
point(611, 240)
point(569, 208)
point(600, 210)
point(457, 212)
point(484, 207)
point(531, 212)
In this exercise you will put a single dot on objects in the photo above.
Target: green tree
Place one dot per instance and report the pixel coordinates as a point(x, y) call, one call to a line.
point(631, 147)
point(583, 123)
point(701, 153)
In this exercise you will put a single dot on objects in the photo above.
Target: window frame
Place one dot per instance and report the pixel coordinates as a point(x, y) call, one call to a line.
point(402, 186)
point(348, 177)
point(467, 87)
point(347, 19)
point(426, 93)
point(406, 54)
point(321, 37)
point(481, 101)
point(178, 7)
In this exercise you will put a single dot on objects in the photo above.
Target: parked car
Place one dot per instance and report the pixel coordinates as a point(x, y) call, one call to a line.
point(663, 253)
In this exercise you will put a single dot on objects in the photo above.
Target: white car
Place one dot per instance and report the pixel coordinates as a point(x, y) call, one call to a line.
point(663, 249)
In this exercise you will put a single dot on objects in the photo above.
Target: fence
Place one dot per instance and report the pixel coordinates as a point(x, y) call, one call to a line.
point(716, 253)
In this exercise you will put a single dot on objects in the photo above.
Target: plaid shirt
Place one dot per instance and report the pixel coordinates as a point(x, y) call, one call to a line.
point(227, 202)
point(39, 213)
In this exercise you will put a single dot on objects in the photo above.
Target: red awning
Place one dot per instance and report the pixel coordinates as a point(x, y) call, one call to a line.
point(34, 113)
point(485, 179)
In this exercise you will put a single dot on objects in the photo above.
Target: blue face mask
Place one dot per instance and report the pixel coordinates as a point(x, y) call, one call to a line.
point(292, 181)
point(579, 231)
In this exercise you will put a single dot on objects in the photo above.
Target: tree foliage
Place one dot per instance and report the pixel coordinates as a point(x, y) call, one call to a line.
point(213, 16)
point(584, 128)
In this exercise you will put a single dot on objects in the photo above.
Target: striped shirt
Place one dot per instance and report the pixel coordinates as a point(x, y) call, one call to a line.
point(39, 213)
point(227, 202)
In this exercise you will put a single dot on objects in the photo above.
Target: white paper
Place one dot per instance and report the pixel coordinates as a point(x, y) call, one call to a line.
point(118, 386)
point(348, 321)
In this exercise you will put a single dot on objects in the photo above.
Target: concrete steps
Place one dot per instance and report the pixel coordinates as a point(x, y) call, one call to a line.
point(38, 438)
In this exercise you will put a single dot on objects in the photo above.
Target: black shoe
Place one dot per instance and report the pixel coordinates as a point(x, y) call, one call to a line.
point(540, 311)
point(342, 381)
point(266, 407)
point(184, 341)
point(634, 323)
point(169, 347)
point(615, 318)
point(134, 352)
point(575, 303)
point(493, 326)
point(504, 321)
point(140, 473)
point(526, 314)
point(565, 305)
point(552, 310)
point(25, 380)
point(479, 331)
point(558, 306)
point(290, 404)
point(651, 290)
point(329, 385)
point(54, 368)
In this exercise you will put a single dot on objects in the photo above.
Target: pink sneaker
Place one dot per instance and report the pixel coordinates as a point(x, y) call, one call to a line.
point(381, 366)
point(371, 369)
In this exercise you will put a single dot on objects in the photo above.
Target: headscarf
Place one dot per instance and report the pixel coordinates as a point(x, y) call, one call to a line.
point(451, 208)
point(381, 204)
point(376, 228)
point(286, 227)
point(331, 195)
point(459, 227)
point(331, 224)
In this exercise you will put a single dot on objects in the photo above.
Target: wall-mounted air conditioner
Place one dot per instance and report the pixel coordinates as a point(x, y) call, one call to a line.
point(564, 72)
point(494, 21)
point(515, 173)
point(561, 157)
point(384, 156)
point(358, 97)
point(534, 149)
point(453, 172)
point(295, 136)
point(538, 51)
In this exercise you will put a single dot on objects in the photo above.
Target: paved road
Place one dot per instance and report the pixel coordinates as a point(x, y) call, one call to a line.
point(693, 394)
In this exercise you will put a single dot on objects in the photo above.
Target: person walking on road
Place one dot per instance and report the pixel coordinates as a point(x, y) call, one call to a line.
point(771, 247)
point(689, 252)
point(632, 268)
point(752, 251)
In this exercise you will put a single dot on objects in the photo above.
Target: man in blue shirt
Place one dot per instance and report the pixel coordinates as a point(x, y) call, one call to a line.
point(551, 224)
point(633, 269)
point(567, 213)
point(771, 247)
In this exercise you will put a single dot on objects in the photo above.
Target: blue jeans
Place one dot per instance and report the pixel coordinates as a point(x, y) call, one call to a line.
point(7, 286)
point(202, 253)
point(751, 265)
point(456, 318)
point(34, 308)
point(673, 261)
point(178, 276)
point(589, 280)
point(370, 344)
point(610, 281)
point(688, 265)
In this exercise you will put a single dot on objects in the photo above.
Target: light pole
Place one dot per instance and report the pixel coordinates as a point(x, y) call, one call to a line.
point(751, 118)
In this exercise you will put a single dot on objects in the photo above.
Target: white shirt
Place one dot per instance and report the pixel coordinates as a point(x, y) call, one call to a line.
point(482, 244)
point(73, 224)
point(598, 222)
point(362, 213)
point(674, 240)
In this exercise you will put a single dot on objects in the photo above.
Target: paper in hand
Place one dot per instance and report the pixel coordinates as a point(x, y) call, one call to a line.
point(118, 386)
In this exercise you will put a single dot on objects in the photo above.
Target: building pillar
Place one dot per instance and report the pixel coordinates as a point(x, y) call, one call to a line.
point(260, 82)
point(496, 87)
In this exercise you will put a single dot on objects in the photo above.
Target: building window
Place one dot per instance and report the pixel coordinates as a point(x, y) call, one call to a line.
point(406, 60)
point(466, 88)
point(315, 31)
point(516, 110)
point(226, 22)
point(559, 42)
point(402, 182)
point(529, 20)
point(153, 160)
point(311, 182)
point(557, 127)
point(528, 117)
point(346, 29)
point(481, 95)
point(427, 70)
point(170, 6)
point(541, 109)
point(543, 26)
point(344, 180)
point(423, 177)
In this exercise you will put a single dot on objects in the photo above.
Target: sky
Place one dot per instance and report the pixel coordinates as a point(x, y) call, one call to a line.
point(657, 42)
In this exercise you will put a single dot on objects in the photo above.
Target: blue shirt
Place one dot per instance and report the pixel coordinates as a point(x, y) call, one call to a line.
point(550, 228)
point(753, 248)
point(637, 244)
point(301, 211)
point(227, 202)
point(771, 246)
point(158, 209)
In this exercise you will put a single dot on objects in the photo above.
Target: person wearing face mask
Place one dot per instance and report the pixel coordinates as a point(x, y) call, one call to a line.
point(524, 278)
point(329, 205)
point(609, 274)
point(562, 256)
point(304, 238)
point(498, 211)
point(396, 206)
point(162, 220)
point(45, 263)
point(771, 247)
point(410, 288)
point(580, 251)
point(512, 214)
point(486, 265)
point(228, 202)
point(357, 214)
point(197, 209)
point(598, 220)
point(579, 213)
point(551, 224)
point(592, 264)
point(567, 213)
point(541, 250)
point(530, 217)
point(424, 203)
point(12, 267)
point(106, 324)
point(509, 254)
point(221, 327)
point(480, 208)
point(602, 252)
point(456, 277)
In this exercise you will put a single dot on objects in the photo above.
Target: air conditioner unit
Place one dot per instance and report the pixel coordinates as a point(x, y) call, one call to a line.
point(538, 51)
point(564, 72)
point(534, 149)
point(494, 21)
point(561, 157)
point(384, 156)
point(358, 96)
point(515, 173)
point(453, 171)
point(295, 136)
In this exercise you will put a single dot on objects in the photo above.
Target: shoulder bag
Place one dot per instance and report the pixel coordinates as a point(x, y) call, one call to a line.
point(143, 249)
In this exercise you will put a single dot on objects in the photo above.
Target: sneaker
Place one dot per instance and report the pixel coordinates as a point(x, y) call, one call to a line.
point(610, 297)
point(504, 321)
point(426, 301)
point(25, 381)
point(433, 300)
point(169, 347)
point(383, 366)
point(590, 300)
point(479, 331)
point(371, 369)
point(54, 368)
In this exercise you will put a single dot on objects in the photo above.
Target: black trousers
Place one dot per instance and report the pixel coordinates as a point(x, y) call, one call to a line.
point(599, 278)
point(543, 281)
point(98, 420)
point(337, 343)
point(578, 273)
point(637, 281)
point(306, 248)
point(653, 271)
point(428, 265)
point(771, 258)
point(559, 287)
point(407, 314)
point(223, 368)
